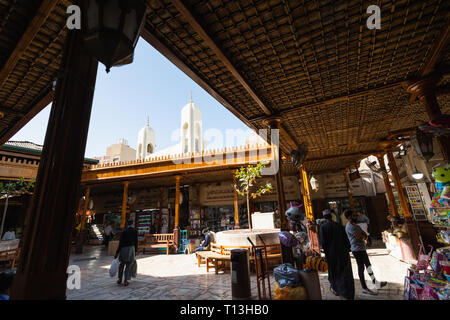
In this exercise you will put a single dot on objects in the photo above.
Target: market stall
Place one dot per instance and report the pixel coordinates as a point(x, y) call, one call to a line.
point(429, 278)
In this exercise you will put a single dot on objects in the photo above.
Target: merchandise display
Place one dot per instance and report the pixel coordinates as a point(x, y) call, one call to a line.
point(144, 222)
point(196, 223)
point(220, 218)
point(440, 205)
point(429, 279)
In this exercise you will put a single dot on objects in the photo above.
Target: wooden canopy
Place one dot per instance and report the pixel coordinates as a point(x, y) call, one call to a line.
point(335, 84)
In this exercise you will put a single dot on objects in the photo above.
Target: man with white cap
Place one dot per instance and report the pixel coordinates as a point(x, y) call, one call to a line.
point(336, 246)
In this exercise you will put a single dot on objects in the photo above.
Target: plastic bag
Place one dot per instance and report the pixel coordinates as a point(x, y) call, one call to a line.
point(134, 269)
point(287, 275)
point(114, 268)
point(287, 239)
point(289, 293)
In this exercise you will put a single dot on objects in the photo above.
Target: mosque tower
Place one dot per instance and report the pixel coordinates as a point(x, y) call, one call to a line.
point(146, 142)
point(191, 128)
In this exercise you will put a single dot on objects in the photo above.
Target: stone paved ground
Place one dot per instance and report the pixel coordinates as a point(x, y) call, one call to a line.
point(167, 277)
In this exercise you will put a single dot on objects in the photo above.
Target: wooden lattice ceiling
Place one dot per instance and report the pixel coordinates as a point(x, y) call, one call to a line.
point(337, 85)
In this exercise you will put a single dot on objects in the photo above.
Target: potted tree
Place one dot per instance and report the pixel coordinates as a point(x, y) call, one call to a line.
point(14, 189)
point(245, 183)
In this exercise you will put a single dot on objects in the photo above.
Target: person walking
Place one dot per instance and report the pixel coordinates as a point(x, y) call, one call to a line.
point(336, 247)
point(109, 234)
point(357, 239)
point(127, 251)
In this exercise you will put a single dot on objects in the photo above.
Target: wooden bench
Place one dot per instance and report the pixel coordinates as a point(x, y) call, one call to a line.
point(157, 242)
point(213, 258)
point(10, 257)
point(219, 257)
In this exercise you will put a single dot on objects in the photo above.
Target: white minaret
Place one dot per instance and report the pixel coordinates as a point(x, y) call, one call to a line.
point(191, 128)
point(146, 142)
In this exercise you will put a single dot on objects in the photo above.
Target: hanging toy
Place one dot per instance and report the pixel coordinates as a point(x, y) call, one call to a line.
point(442, 178)
point(296, 216)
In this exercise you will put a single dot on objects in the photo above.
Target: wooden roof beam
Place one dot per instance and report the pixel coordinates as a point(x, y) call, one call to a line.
point(436, 52)
point(188, 15)
point(43, 100)
point(166, 52)
point(443, 91)
point(343, 156)
point(33, 28)
point(193, 21)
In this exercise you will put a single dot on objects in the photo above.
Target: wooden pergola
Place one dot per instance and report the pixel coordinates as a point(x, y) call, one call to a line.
point(311, 69)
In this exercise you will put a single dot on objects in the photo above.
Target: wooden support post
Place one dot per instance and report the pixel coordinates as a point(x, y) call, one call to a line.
point(425, 90)
point(274, 124)
point(85, 207)
point(81, 235)
point(388, 187)
point(236, 203)
point(161, 199)
point(176, 230)
point(313, 229)
point(410, 225)
point(124, 205)
point(42, 273)
point(349, 191)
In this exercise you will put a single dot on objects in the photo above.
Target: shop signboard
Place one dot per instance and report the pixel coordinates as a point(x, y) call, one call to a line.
point(334, 186)
point(222, 193)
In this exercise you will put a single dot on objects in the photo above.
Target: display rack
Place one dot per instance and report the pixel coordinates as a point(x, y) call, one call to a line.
point(144, 222)
point(220, 218)
point(196, 223)
point(415, 201)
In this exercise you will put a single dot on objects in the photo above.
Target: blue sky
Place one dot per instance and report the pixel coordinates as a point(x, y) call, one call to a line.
point(151, 86)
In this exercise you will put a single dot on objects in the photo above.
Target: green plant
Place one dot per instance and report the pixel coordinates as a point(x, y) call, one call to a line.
point(11, 189)
point(18, 187)
point(246, 179)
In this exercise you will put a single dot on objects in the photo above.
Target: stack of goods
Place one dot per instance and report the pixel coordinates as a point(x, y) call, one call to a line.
point(315, 263)
point(288, 285)
point(429, 279)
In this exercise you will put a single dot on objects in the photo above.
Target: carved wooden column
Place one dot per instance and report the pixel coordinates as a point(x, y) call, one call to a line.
point(425, 90)
point(42, 273)
point(388, 187)
point(81, 235)
point(161, 199)
point(176, 229)
point(274, 124)
point(236, 203)
point(410, 225)
point(313, 229)
point(124, 205)
point(349, 191)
